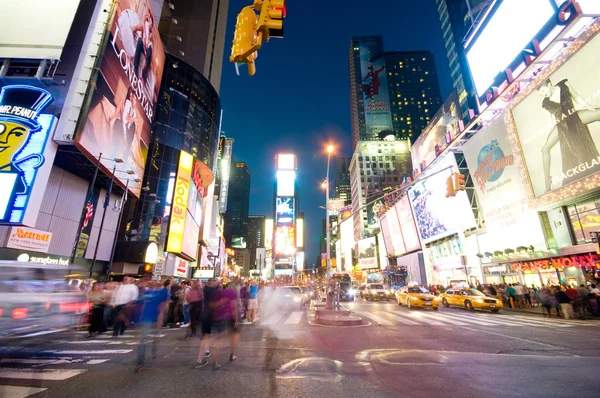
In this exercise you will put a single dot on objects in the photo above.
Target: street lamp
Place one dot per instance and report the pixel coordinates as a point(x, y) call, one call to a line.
point(330, 150)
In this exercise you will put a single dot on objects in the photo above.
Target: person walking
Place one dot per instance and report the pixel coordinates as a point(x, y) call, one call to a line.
point(210, 291)
point(195, 298)
point(252, 301)
point(125, 294)
point(336, 295)
point(152, 304)
point(98, 300)
point(186, 304)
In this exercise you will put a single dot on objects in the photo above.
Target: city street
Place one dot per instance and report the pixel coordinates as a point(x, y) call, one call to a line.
point(399, 352)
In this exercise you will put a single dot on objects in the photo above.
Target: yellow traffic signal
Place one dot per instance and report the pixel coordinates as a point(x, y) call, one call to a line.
point(450, 191)
point(459, 182)
point(245, 39)
point(270, 22)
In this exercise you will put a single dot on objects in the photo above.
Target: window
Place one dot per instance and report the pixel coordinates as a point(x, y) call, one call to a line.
point(585, 218)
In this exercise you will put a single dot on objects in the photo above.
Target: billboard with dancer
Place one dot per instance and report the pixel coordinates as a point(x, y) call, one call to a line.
point(121, 107)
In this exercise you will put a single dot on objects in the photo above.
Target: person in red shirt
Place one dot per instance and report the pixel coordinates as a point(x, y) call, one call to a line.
point(572, 293)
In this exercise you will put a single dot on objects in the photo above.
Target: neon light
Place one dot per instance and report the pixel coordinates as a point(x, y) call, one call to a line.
point(180, 199)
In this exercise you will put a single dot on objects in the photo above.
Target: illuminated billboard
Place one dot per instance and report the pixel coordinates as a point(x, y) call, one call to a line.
point(181, 192)
point(443, 128)
point(284, 210)
point(557, 124)
point(120, 109)
point(367, 253)
point(24, 150)
point(509, 30)
point(286, 181)
point(436, 215)
point(395, 232)
point(29, 28)
point(225, 171)
point(268, 233)
point(378, 115)
point(286, 161)
point(383, 222)
point(238, 242)
point(285, 240)
point(407, 225)
point(300, 232)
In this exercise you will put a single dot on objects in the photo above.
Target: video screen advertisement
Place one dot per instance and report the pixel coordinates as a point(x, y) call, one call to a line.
point(497, 180)
point(387, 237)
point(121, 107)
point(558, 124)
point(407, 225)
point(445, 125)
point(367, 253)
point(378, 115)
point(437, 216)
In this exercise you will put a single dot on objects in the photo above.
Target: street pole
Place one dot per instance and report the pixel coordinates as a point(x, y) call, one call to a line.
point(106, 202)
point(114, 245)
point(84, 212)
point(327, 226)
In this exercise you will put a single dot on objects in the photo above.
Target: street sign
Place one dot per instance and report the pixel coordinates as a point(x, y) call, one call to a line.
point(159, 269)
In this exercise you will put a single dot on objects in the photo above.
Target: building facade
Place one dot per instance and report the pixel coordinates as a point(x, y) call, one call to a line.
point(375, 166)
point(255, 237)
point(194, 30)
point(342, 186)
point(238, 202)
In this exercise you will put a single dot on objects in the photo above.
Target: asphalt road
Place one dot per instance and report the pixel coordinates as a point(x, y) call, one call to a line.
point(399, 353)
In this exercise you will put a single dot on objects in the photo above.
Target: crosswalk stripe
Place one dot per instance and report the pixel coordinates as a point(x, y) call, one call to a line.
point(396, 316)
point(273, 319)
point(86, 352)
point(39, 374)
point(421, 317)
point(443, 318)
point(524, 320)
point(553, 321)
point(467, 320)
point(19, 392)
point(43, 332)
point(375, 318)
point(294, 318)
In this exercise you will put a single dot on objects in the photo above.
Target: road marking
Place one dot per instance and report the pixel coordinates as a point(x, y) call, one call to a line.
point(421, 317)
point(86, 352)
point(43, 332)
point(295, 318)
point(396, 316)
point(445, 319)
point(525, 321)
point(273, 319)
point(96, 361)
point(19, 392)
point(468, 320)
point(514, 338)
point(39, 374)
point(376, 318)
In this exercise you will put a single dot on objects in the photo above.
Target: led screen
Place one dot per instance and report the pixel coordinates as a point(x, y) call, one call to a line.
point(285, 238)
point(285, 210)
point(383, 222)
point(286, 180)
point(367, 253)
point(509, 30)
point(395, 233)
point(286, 161)
point(407, 225)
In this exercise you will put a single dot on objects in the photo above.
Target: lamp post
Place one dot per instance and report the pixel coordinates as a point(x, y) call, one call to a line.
point(330, 149)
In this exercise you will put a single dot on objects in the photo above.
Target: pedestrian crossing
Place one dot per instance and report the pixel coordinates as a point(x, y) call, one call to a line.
point(385, 317)
point(27, 370)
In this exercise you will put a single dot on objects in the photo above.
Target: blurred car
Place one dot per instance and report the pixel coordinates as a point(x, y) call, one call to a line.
point(470, 299)
point(293, 295)
point(361, 291)
point(376, 291)
point(37, 298)
point(417, 296)
point(347, 292)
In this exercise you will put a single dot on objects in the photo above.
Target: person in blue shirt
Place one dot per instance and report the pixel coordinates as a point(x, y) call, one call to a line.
point(252, 301)
point(151, 302)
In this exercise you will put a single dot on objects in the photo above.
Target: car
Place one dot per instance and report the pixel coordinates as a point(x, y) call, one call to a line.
point(417, 296)
point(37, 298)
point(376, 291)
point(347, 292)
point(293, 294)
point(470, 299)
point(361, 291)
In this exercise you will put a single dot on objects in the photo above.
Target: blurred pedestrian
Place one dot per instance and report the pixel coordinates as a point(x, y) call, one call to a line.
point(98, 301)
point(123, 297)
point(185, 304)
point(225, 320)
point(210, 291)
point(252, 301)
point(195, 298)
point(152, 304)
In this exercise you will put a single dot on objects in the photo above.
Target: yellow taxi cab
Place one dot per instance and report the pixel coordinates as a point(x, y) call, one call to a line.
point(470, 299)
point(417, 296)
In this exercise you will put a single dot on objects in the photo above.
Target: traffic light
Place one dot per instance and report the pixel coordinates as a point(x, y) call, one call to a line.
point(270, 22)
point(245, 39)
point(145, 269)
point(459, 182)
point(450, 191)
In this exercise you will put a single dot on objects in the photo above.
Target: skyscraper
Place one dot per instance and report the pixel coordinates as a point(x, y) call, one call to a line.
point(392, 93)
point(194, 30)
point(414, 91)
point(255, 235)
point(457, 18)
point(342, 179)
point(238, 202)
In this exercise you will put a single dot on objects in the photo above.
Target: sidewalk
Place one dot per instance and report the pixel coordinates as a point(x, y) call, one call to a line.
point(536, 311)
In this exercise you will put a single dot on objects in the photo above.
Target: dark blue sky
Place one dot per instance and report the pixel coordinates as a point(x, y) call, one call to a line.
point(299, 98)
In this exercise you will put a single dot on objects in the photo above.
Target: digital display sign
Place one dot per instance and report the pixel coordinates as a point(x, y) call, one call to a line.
point(181, 191)
point(509, 30)
point(268, 233)
point(285, 240)
point(285, 210)
point(23, 139)
point(286, 181)
point(225, 174)
point(286, 161)
point(367, 253)
point(300, 232)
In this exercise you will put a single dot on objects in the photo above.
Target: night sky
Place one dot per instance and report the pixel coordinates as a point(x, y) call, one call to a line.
point(299, 99)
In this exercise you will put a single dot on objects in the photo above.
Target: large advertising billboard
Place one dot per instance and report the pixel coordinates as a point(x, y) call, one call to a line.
point(225, 172)
point(407, 225)
point(378, 115)
point(179, 211)
point(25, 153)
point(29, 28)
point(121, 107)
point(445, 125)
point(436, 215)
point(284, 211)
point(285, 240)
point(558, 123)
point(396, 238)
point(367, 253)
point(286, 182)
